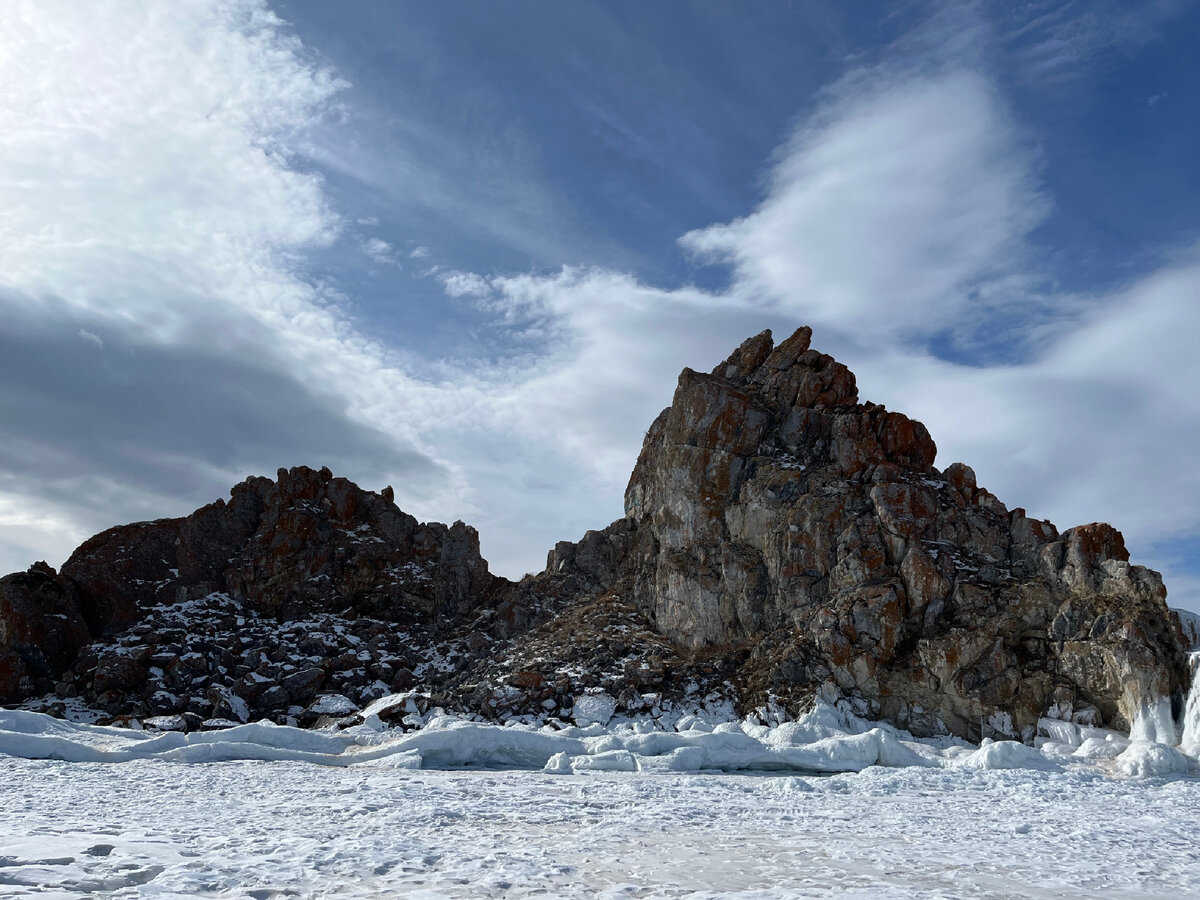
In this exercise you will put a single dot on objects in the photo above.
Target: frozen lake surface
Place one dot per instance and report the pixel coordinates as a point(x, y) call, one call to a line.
point(152, 828)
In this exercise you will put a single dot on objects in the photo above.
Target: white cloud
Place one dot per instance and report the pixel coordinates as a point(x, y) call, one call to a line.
point(32, 534)
point(901, 207)
point(464, 284)
point(1052, 41)
point(150, 196)
point(379, 250)
point(1099, 426)
point(134, 134)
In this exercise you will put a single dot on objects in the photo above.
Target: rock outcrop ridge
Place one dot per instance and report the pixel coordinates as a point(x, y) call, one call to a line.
point(41, 631)
point(307, 542)
point(781, 541)
point(304, 545)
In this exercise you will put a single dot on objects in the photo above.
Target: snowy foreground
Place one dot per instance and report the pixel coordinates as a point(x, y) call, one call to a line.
point(824, 804)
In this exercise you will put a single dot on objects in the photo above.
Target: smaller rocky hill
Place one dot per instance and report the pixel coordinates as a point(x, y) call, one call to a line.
point(307, 544)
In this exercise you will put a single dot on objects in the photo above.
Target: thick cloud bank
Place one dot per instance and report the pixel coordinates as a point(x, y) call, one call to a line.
point(161, 340)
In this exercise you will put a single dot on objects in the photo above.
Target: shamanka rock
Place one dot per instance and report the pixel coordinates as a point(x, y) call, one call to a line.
point(772, 514)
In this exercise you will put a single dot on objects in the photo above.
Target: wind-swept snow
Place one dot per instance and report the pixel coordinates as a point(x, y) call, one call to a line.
point(276, 829)
point(825, 740)
point(627, 809)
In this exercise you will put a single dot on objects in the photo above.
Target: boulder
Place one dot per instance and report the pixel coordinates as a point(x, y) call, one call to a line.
point(41, 631)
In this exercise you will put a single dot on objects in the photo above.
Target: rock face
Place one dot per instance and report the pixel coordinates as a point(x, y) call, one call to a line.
point(781, 541)
point(41, 631)
point(770, 509)
point(305, 543)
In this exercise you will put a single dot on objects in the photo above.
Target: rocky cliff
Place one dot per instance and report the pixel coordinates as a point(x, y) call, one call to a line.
point(781, 541)
point(771, 512)
point(41, 631)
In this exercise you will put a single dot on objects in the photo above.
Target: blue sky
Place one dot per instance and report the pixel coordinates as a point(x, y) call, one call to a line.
point(465, 248)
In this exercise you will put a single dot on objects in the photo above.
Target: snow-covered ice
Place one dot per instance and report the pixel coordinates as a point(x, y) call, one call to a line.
point(273, 829)
point(825, 740)
point(461, 808)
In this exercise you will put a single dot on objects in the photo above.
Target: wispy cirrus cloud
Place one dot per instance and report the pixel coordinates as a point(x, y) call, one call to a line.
point(903, 204)
point(1054, 41)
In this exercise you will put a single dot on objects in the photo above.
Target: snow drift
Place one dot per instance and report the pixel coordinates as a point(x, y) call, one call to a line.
point(825, 740)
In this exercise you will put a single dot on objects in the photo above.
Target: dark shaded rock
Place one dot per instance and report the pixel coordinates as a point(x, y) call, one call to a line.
point(302, 685)
point(41, 631)
point(120, 672)
point(403, 679)
point(274, 697)
point(304, 543)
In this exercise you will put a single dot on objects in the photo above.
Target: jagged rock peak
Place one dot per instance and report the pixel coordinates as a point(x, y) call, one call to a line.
point(304, 543)
point(791, 374)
